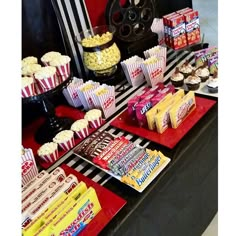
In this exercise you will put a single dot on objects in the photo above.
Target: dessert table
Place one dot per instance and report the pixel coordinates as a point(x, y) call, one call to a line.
point(182, 199)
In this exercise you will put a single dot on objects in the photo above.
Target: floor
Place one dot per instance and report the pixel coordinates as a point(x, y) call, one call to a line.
point(208, 17)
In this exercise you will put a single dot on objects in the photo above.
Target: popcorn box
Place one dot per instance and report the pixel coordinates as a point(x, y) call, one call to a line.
point(63, 71)
point(71, 92)
point(84, 93)
point(68, 144)
point(153, 69)
point(177, 32)
point(83, 133)
point(47, 83)
point(104, 97)
point(192, 27)
point(186, 9)
point(29, 168)
point(133, 71)
point(50, 158)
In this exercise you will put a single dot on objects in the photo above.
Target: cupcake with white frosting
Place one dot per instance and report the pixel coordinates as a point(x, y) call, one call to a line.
point(212, 83)
point(30, 69)
point(80, 127)
point(62, 64)
point(177, 78)
point(48, 152)
point(47, 57)
point(94, 117)
point(192, 81)
point(27, 86)
point(203, 72)
point(46, 78)
point(65, 139)
point(186, 69)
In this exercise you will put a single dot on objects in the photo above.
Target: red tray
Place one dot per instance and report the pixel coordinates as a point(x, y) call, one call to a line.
point(111, 203)
point(28, 132)
point(171, 136)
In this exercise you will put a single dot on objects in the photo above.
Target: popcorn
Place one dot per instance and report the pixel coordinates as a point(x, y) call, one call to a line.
point(47, 148)
point(45, 72)
point(97, 40)
point(26, 80)
point(80, 127)
point(65, 139)
point(60, 60)
point(94, 118)
point(29, 60)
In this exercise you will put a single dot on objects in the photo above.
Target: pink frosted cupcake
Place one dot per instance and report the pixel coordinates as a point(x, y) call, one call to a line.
point(94, 117)
point(27, 86)
point(48, 152)
point(80, 127)
point(47, 57)
point(46, 78)
point(65, 139)
point(62, 64)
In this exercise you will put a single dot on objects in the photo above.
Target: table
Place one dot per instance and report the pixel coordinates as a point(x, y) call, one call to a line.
point(183, 199)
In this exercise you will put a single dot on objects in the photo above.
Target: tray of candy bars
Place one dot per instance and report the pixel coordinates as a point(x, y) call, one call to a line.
point(129, 163)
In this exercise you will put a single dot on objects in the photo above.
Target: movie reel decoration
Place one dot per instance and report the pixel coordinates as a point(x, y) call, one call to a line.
point(131, 18)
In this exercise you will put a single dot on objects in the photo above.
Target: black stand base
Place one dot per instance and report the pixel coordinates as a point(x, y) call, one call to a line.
point(49, 129)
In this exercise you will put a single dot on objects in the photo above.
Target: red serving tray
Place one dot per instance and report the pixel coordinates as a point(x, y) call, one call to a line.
point(28, 132)
point(171, 136)
point(111, 203)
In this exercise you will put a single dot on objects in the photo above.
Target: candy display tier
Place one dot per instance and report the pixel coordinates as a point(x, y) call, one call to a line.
point(52, 124)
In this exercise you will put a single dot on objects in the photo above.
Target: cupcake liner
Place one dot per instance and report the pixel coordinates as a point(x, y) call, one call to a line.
point(67, 145)
point(50, 158)
point(28, 91)
point(83, 133)
point(28, 166)
point(95, 123)
point(63, 70)
point(47, 83)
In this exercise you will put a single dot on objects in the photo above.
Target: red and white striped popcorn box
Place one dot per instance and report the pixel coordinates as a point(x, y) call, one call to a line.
point(63, 70)
point(28, 166)
point(158, 28)
point(154, 72)
point(28, 91)
point(106, 102)
point(83, 133)
point(133, 71)
point(51, 158)
point(67, 145)
point(47, 83)
point(85, 95)
point(71, 92)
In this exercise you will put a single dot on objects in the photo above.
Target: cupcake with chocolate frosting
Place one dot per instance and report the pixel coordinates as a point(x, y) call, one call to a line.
point(177, 78)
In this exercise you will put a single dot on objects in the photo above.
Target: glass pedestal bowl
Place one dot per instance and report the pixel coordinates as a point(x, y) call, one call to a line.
point(100, 53)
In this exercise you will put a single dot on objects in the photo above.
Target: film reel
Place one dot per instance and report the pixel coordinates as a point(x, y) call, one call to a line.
point(131, 18)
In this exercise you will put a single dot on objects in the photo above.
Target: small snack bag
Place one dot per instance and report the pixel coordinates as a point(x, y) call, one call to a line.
point(104, 98)
point(28, 165)
point(84, 92)
point(71, 92)
point(133, 71)
point(153, 70)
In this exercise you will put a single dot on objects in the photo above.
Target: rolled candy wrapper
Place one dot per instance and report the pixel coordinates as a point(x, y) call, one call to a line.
point(28, 166)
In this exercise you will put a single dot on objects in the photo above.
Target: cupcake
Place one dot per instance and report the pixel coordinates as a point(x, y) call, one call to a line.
point(47, 57)
point(203, 72)
point(27, 86)
point(94, 117)
point(30, 69)
point(186, 69)
point(48, 152)
point(80, 127)
point(212, 84)
point(192, 81)
point(46, 77)
point(177, 78)
point(65, 139)
point(62, 64)
point(29, 60)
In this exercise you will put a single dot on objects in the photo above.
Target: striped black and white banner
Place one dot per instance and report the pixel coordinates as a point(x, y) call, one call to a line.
point(73, 18)
point(123, 92)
